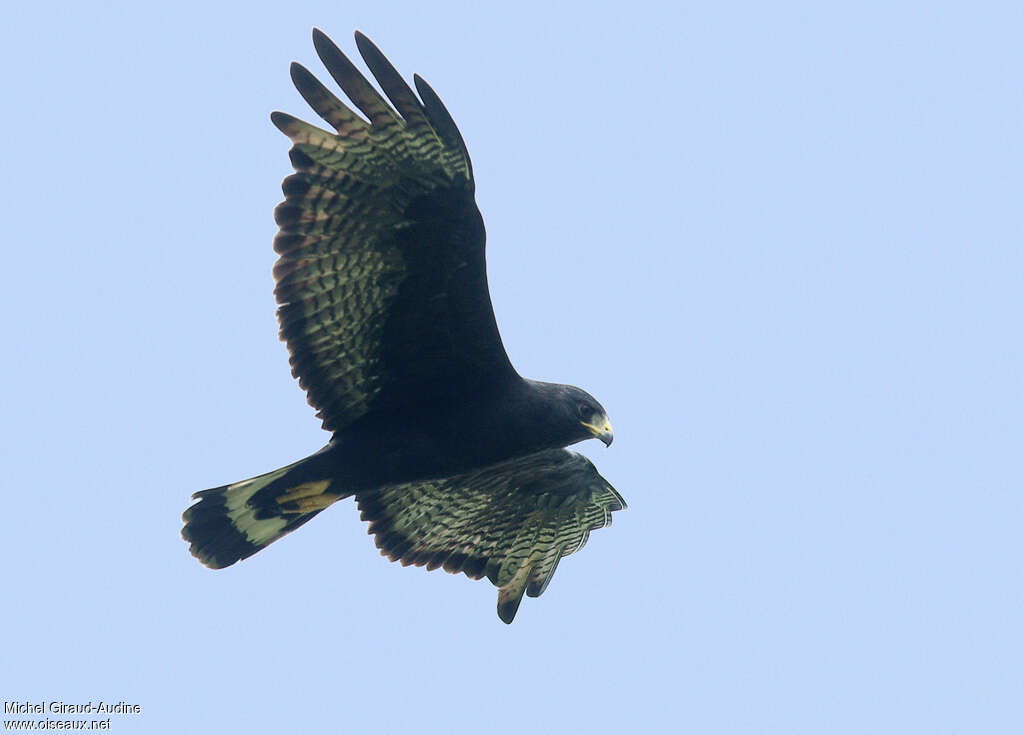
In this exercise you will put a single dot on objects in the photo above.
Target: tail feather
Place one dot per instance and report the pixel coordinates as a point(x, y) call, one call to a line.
point(233, 522)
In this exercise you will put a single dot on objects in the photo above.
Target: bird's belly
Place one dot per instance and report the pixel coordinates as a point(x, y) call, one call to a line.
point(372, 457)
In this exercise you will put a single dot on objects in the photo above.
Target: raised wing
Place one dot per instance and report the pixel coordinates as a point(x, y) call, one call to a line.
point(381, 282)
point(510, 522)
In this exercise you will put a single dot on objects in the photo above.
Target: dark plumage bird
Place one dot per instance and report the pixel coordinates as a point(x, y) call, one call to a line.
point(454, 459)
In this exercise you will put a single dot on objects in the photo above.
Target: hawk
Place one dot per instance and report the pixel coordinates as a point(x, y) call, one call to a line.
point(453, 458)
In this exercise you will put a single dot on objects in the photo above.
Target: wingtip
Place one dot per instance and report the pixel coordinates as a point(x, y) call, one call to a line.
point(419, 82)
point(368, 48)
point(507, 612)
point(509, 598)
point(281, 120)
point(323, 43)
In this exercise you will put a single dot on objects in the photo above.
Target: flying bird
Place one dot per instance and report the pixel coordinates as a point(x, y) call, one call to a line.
point(453, 458)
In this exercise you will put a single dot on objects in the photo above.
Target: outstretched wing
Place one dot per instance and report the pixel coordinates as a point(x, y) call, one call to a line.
point(510, 522)
point(381, 280)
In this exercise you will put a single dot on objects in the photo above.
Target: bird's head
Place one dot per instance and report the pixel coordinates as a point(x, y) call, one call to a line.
point(576, 414)
point(592, 417)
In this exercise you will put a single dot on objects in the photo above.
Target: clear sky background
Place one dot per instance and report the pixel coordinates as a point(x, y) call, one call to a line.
point(780, 242)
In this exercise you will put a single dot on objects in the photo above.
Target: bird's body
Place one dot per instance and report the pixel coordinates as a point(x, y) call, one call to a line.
point(455, 459)
point(442, 438)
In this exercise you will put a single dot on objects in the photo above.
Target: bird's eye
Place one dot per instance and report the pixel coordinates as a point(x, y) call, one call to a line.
point(582, 410)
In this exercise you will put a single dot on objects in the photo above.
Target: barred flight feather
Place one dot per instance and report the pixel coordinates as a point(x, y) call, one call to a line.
point(493, 522)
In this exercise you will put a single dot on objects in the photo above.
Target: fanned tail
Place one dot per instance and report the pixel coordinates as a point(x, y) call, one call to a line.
point(233, 522)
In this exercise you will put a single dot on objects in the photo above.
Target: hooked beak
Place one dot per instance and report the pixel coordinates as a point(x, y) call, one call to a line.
point(602, 429)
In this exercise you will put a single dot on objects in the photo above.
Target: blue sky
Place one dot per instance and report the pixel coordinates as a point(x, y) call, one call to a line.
point(781, 245)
